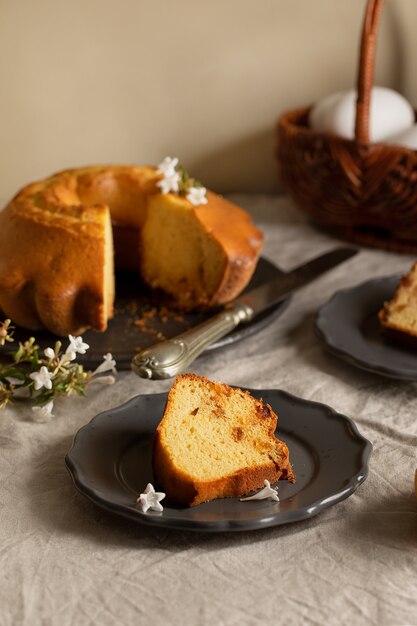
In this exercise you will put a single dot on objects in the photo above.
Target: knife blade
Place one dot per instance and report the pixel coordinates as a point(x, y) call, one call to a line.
point(172, 356)
point(279, 288)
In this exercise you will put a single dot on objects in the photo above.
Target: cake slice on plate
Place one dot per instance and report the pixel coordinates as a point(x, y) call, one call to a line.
point(215, 441)
point(398, 317)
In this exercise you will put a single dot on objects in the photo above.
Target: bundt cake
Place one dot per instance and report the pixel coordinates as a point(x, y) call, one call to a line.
point(398, 316)
point(215, 441)
point(56, 247)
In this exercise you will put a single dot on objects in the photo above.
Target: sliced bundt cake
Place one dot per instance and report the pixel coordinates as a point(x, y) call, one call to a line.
point(56, 247)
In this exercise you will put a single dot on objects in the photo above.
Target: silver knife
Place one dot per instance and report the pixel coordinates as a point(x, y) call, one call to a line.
point(171, 357)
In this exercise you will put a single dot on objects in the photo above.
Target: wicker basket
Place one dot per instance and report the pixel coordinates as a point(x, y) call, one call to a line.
point(363, 192)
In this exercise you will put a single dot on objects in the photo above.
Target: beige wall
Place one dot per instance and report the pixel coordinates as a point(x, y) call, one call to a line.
point(86, 81)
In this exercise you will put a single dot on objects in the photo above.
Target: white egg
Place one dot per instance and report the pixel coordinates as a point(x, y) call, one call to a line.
point(407, 138)
point(390, 114)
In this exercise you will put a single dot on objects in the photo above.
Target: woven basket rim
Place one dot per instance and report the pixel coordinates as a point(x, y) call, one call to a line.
point(291, 120)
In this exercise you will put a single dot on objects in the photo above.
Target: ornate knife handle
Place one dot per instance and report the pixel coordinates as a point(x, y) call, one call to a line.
point(169, 358)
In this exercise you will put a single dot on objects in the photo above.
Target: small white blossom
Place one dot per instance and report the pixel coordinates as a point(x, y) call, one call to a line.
point(266, 492)
point(197, 195)
point(109, 364)
point(5, 329)
point(68, 356)
point(76, 345)
point(151, 499)
point(43, 413)
point(49, 353)
point(169, 183)
point(43, 378)
point(167, 166)
point(104, 380)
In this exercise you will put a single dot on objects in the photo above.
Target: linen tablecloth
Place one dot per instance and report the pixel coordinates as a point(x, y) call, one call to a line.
point(65, 561)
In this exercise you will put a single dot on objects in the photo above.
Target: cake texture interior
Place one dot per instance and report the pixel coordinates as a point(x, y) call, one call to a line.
point(399, 315)
point(215, 441)
point(57, 251)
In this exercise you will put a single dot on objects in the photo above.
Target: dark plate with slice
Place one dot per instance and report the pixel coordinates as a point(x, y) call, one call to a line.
point(110, 463)
point(141, 319)
point(349, 327)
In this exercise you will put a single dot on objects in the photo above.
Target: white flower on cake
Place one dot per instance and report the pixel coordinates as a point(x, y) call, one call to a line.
point(43, 378)
point(68, 356)
point(266, 492)
point(77, 345)
point(197, 195)
point(151, 499)
point(169, 183)
point(49, 353)
point(175, 179)
point(43, 413)
point(167, 166)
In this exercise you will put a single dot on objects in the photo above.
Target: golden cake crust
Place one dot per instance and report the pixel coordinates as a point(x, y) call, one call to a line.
point(240, 240)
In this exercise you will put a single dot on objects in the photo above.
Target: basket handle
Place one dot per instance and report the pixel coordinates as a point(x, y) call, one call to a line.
point(366, 69)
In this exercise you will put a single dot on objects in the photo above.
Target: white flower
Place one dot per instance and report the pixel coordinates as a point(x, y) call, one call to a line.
point(169, 183)
point(151, 499)
point(69, 356)
point(4, 332)
point(167, 167)
point(43, 378)
point(43, 413)
point(108, 364)
point(104, 380)
point(76, 345)
point(197, 195)
point(266, 492)
point(49, 353)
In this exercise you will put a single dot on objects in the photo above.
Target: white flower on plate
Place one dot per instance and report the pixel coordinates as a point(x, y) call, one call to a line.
point(167, 167)
point(197, 195)
point(169, 183)
point(76, 345)
point(43, 413)
point(43, 378)
point(151, 499)
point(266, 492)
point(109, 364)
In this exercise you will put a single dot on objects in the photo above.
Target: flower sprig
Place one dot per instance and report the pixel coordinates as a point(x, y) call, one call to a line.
point(175, 179)
point(43, 377)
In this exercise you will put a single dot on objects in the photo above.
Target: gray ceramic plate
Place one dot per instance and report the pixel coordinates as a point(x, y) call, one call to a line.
point(111, 463)
point(141, 320)
point(348, 324)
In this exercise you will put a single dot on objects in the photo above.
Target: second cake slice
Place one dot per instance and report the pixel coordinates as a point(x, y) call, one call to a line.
point(215, 441)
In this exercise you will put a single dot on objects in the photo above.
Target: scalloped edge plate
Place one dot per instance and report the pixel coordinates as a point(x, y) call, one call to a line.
point(110, 463)
point(349, 327)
